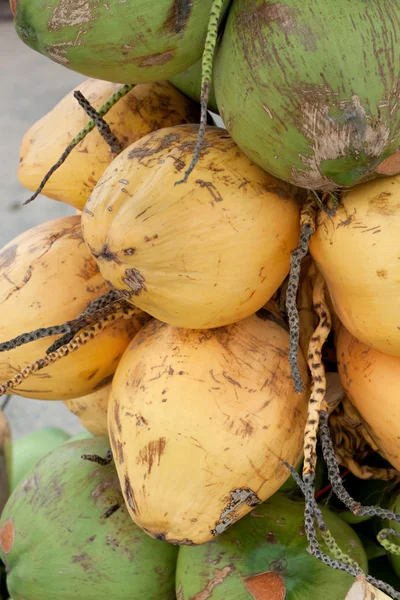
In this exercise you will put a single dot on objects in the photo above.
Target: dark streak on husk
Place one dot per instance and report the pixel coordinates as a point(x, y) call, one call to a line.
point(178, 16)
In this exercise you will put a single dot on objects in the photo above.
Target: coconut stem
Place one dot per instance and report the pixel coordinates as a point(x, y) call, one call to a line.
point(70, 328)
point(80, 340)
point(308, 487)
point(307, 224)
point(125, 89)
point(98, 308)
point(304, 304)
point(102, 125)
point(206, 80)
point(103, 462)
point(341, 562)
point(337, 483)
point(317, 401)
point(318, 407)
point(318, 413)
point(94, 311)
point(389, 546)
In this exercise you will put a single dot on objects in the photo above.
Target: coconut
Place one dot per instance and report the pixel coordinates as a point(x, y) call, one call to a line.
point(65, 534)
point(265, 556)
point(357, 252)
point(29, 449)
point(371, 381)
point(145, 108)
point(127, 42)
point(91, 410)
point(204, 420)
point(48, 277)
point(309, 90)
point(203, 254)
point(83, 435)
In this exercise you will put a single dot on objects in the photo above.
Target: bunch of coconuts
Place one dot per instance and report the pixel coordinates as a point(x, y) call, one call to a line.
point(202, 411)
point(207, 349)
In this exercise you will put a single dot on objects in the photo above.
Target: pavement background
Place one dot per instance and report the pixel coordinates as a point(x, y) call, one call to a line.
point(30, 86)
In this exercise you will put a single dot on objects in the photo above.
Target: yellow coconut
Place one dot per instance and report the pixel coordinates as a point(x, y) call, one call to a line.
point(202, 254)
point(91, 410)
point(146, 108)
point(371, 381)
point(48, 277)
point(357, 251)
point(200, 422)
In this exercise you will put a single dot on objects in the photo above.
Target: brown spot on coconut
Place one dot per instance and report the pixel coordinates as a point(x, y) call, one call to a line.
point(70, 12)
point(151, 453)
point(7, 256)
point(13, 6)
point(178, 16)
point(390, 166)
point(135, 280)
point(155, 60)
point(266, 586)
point(128, 494)
point(7, 536)
point(382, 273)
point(217, 580)
point(383, 204)
point(105, 254)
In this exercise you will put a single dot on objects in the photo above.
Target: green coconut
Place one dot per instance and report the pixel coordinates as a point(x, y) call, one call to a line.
point(65, 534)
point(309, 90)
point(83, 435)
point(189, 82)
point(132, 41)
point(29, 449)
point(267, 552)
